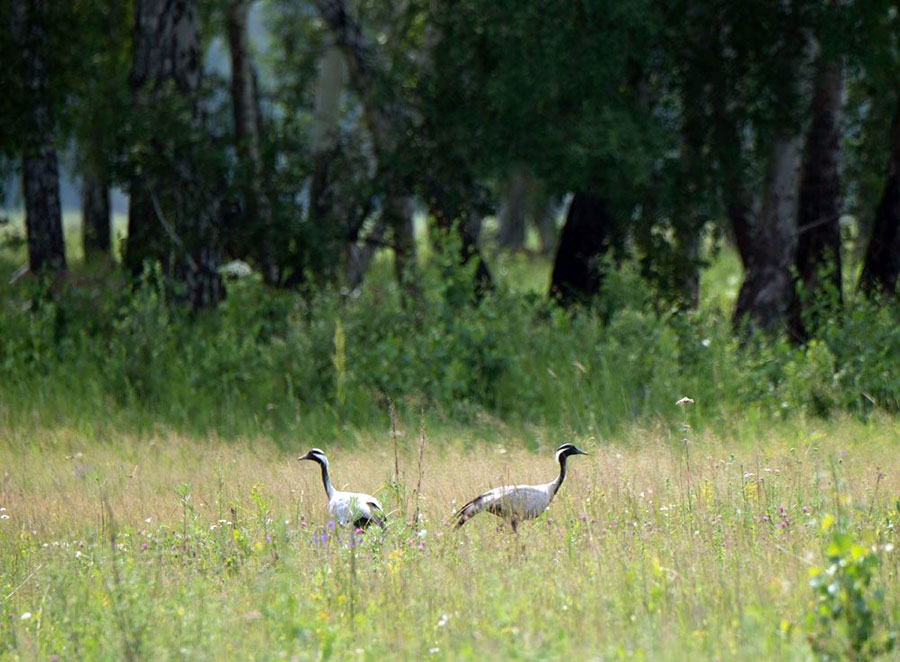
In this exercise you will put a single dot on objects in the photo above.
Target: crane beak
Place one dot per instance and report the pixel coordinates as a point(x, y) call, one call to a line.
point(578, 451)
point(303, 457)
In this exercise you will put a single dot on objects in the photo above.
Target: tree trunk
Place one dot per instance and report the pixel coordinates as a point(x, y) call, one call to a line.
point(770, 243)
point(515, 208)
point(397, 215)
point(390, 122)
point(43, 216)
point(95, 216)
point(546, 208)
point(688, 274)
point(325, 129)
point(170, 218)
point(326, 208)
point(882, 263)
point(819, 234)
point(40, 170)
point(247, 138)
point(357, 258)
point(589, 233)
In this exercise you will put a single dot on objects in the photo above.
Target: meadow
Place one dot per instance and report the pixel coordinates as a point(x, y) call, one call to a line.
point(152, 508)
point(663, 544)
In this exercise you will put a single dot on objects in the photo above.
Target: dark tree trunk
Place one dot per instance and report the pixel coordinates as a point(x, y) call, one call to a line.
point(43, 216)
point(170, 218)
point(819, 234)
point(515, 207)
point(688, 222)
point(589, 233)
point(40, 170)
point(882, 263)
point(95, 216)
point(688, 274)
point(769, 244)
point(246, 129)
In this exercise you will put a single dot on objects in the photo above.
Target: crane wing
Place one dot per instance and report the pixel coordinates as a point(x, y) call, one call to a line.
point(357, 508)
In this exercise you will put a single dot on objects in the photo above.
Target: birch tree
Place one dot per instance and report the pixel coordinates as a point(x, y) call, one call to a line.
point(40, 168)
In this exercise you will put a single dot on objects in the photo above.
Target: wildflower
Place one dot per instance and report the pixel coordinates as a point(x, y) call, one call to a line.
point(26, 616)
point(4, 516)
point(685, 401)
point(443, 621)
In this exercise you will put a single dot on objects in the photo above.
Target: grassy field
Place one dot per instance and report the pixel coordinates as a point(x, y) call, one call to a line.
point(661, 545)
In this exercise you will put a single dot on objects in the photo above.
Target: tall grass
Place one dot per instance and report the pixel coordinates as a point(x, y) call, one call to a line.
point(167, 547)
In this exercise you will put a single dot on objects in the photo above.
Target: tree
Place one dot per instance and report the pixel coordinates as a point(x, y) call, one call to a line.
point(818, 258)
point(172, 215)
point(98, 107)
point(589, 233)
point(387, 123)
point(767, 241)
point(568, 92)
point(244, 102)
point(882, 261)
point(95, 214)
point(394, 125)
point(40, 169)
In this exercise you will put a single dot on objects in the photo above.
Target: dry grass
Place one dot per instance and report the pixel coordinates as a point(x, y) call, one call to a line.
point(648, 551)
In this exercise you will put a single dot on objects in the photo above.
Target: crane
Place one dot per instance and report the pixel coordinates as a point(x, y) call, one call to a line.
point(354, 508)
point(518, 502)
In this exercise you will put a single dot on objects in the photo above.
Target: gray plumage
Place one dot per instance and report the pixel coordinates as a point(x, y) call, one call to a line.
point(515, 503)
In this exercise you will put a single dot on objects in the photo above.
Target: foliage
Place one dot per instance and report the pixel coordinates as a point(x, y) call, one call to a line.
point(267, 361)
point(847, 620)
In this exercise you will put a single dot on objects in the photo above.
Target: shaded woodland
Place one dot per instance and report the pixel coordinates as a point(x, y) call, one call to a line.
point(668, 126)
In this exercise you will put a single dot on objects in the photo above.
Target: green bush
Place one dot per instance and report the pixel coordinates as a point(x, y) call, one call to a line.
point(273, 362)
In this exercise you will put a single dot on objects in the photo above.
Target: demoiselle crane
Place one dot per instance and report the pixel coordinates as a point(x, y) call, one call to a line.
point(515, 503)
point(347, 507)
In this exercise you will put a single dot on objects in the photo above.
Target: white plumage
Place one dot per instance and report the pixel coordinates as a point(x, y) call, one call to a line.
point(515, 503)
point(347, 507)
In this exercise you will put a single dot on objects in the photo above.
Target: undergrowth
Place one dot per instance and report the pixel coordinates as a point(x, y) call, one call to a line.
point(270, 362)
